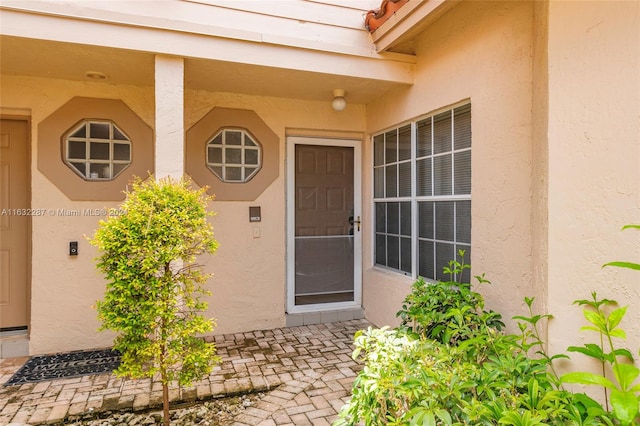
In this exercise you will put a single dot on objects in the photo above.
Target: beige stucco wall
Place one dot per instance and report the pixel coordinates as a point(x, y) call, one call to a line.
point(250, 273)
point(479, 51)
point(594, 154)
point(64, 288)
point(555, 94)
point(249, 282)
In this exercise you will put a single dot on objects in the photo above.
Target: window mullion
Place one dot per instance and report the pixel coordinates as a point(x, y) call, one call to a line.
point(414, 203)
point(453, 157)
point(87, 149)
point(223, 149)
point(386, 234)
point(384, 167)
point(453, 187)
point(398, 163)
point(431, 157)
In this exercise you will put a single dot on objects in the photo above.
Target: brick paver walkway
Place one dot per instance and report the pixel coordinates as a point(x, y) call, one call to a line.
point(308, 371)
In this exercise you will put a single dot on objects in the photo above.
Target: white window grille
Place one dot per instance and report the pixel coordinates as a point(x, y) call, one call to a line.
point(97, 150)
point(422, 194)
point(233, 155)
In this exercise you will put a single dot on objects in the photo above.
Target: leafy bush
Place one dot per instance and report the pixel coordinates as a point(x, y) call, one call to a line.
point(407, 380)
point(415, 381)
point(449, 364)
point(448, 311)
point(154, 291)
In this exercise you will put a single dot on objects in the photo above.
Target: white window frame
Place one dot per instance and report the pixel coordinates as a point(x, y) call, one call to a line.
point(223, 165)
point(106, 172)
point(414, 198)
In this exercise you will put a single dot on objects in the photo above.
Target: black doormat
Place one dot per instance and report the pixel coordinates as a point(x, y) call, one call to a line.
point(61, 366)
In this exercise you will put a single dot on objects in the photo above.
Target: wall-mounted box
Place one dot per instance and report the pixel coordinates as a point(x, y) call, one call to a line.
point(254, 214)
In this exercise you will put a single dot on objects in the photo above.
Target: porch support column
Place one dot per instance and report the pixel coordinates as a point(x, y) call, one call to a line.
point(169, 86)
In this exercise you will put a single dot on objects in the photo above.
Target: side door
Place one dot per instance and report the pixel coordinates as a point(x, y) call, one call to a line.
point(15, 225)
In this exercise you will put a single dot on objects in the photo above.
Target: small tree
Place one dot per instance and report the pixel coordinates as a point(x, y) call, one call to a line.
point(154, 291)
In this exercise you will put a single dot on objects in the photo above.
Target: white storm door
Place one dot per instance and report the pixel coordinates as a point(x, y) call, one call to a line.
point(324, 233)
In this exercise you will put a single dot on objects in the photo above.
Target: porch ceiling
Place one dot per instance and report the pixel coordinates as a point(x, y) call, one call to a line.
point(311, 48)
point(49, 59)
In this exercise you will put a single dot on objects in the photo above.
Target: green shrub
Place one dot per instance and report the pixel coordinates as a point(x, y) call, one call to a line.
point(154, 289)
point(448, 311)
point(449, 364)
point(414, 381)
point(407, 380)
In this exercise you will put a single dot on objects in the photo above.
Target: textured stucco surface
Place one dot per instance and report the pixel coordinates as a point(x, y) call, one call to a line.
point(555, 94)
point(594, 153)
point(64, 288)
point(250, 273)
point(482, 52)
point(249, 283)
point(169, 116)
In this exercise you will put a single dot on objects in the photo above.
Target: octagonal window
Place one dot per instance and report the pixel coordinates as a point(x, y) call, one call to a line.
point(233, 155)
point(97, 150)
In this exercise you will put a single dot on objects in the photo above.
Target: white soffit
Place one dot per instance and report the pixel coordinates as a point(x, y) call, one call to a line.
point(188, 29)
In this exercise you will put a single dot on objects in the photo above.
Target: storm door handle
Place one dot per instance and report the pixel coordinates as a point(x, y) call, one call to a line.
point(351, 222)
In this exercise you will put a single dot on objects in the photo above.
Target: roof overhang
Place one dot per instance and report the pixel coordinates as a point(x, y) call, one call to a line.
point(397, 34)
point(211, 49)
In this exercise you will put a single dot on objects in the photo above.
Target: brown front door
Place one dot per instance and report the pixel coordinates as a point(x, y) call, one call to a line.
point(15, 224)
point(324, 231)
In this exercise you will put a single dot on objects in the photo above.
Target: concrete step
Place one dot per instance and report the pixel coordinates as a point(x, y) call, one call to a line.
point(323, 317)
point(14, 344)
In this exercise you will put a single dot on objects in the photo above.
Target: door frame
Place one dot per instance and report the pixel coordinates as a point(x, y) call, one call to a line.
point(292, 141)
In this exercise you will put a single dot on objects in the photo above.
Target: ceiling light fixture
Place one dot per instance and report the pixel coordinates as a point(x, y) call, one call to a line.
point(96, 75)
point(339, 102)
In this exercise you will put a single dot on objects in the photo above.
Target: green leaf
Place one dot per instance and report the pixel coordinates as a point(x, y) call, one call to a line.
point(531, 320)
point(619, 333)
point(631, 227)
point(625, 406)
point(587, 401)
point(629, 265)
point(623, 352)
point(428, 419)
point(590, 328)
point(625, 374)
point(444, 416)
point(595, 318)
point(559, 356)
point(616, 316)
point(589, 349)
point(585, 378)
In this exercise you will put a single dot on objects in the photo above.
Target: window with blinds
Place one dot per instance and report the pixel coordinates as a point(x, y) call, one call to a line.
point(422, 193)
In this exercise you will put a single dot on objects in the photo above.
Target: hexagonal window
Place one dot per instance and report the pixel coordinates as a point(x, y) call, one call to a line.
point(97, 150)
point(233, 155)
